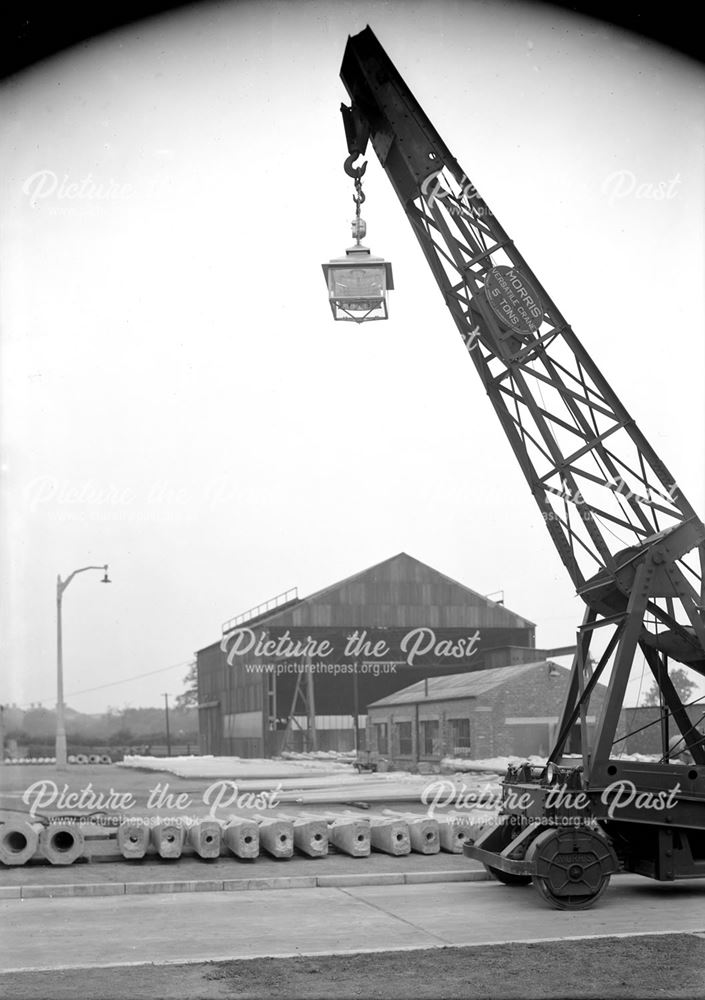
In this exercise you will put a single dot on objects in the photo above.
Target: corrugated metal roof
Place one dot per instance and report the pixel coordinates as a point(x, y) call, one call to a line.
point(400, 591)
point(460, 685)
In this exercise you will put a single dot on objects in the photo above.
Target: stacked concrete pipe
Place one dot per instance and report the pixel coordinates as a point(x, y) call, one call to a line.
point(205, 838)
point(276, 836)
point(388, 834)
point(310, 834)
point(61, 842)
point(241, 836)
point(19, 840)
point(348, 834)
point(133, 839)
point(168, 838)
point(423, 831)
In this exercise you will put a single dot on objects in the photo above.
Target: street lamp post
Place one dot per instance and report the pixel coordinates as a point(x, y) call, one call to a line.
point(61, 585)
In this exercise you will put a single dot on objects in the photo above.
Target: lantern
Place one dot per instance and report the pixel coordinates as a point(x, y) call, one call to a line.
point(358, 284)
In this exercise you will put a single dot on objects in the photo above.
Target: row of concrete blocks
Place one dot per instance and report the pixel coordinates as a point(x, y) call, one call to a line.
point(393, 833)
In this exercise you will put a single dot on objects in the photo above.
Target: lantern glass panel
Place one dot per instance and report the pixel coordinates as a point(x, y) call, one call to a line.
point(357, 282)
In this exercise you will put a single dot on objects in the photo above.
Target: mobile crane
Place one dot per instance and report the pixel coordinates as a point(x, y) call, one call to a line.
point(633, 546)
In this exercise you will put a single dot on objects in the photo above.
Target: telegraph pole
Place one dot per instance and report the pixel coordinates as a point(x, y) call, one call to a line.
point(168, 736)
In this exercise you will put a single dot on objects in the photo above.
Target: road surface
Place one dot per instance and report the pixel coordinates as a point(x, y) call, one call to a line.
point(65, 933)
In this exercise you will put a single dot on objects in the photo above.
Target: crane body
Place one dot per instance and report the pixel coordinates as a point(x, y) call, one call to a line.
point(633, 546)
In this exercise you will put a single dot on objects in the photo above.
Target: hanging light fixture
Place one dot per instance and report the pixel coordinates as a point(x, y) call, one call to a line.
point(358, 282)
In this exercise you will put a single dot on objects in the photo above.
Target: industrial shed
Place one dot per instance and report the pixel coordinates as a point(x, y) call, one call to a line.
point(300, 672)
point(501, 711)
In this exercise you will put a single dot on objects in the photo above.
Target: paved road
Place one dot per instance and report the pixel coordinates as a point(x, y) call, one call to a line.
point(186, 927)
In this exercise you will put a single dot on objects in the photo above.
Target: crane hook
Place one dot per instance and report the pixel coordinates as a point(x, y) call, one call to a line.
point(355, 172)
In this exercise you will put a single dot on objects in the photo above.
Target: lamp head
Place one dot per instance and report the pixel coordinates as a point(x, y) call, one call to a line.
point(106, 579)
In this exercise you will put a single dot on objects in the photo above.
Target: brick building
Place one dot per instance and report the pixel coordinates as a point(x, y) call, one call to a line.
point(503, 710)
point(644, 727)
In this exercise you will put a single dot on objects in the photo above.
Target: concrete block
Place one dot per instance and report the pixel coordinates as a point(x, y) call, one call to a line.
point(19, 841)
point(205, 837)
point(168, 839)
point(241, 836)
point(133, 839)
point(61, 843)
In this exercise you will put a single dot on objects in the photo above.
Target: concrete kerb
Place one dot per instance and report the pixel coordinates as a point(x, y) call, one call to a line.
point(239, 884)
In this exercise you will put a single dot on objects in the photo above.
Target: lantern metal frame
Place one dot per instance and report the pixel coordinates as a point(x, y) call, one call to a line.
point(369, 304)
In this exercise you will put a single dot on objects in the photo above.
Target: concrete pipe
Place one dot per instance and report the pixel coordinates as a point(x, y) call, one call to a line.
point(61, 843)
point(424, 832)
point(18, 841)
point(105, 758)
point(241, 836)
point(94, 758)
point(168, 839)
point(205, 838)
point(350, 836)
point(276, 836)
point(133, 839)
point(390, 836)
point(81, 758)
point(310, 835)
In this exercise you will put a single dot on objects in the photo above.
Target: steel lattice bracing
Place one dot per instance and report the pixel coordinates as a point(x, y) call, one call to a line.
point(603, 493)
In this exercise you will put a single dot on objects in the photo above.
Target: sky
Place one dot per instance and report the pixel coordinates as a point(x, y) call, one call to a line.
point(176, 399)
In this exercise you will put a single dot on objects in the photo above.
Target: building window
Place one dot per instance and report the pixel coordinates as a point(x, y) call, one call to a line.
point(428, 738)
point(381, 733)
point(403, 739)
point(459, 734)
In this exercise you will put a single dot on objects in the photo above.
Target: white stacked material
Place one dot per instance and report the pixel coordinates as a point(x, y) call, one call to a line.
point(489, 765)
point(397, 787)
point(320, 781)
point(344, 756)
point(235, 767)
point(646, 758)
point(499, 765)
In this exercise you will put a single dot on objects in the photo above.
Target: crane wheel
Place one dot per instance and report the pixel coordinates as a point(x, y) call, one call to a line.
point(508, 878)
point(573, 866)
